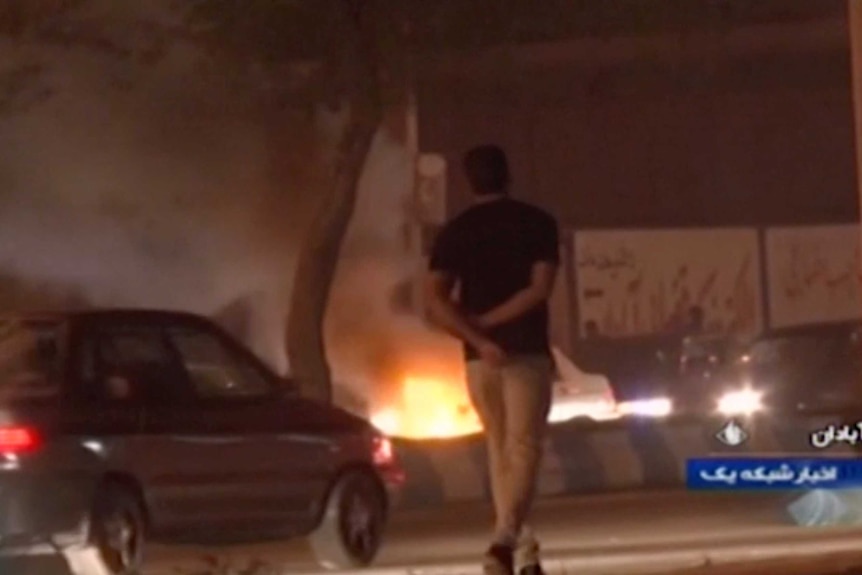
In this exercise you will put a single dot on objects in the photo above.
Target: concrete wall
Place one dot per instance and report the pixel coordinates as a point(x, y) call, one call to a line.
point(587, 457)
point(743, 140)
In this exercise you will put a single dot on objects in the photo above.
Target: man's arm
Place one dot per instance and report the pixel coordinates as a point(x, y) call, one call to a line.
point(543, 246)
point(540, 289)
point(443, 311)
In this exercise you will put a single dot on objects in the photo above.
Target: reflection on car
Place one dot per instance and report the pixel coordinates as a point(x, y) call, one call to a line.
point(638, 369)
point(577, 394)
point(808, 368)
point(120, 427)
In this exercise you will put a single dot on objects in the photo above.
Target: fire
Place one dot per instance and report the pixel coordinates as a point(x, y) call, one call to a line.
point(429, 407)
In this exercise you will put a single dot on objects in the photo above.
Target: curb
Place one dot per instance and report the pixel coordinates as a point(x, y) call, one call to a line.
point(586, 457)
point(648, 561)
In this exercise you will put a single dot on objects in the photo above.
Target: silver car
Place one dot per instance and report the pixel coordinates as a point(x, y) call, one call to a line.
point(118, 427)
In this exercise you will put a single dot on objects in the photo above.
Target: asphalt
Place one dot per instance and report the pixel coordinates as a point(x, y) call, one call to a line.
point(599, 533)
point(637, 533)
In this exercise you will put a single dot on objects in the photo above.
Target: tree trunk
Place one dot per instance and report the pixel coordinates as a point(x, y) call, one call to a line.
point(318, 258)
point(318, 261)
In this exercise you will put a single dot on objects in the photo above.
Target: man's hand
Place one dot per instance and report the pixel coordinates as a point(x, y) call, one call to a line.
point(442, 310)
point(538, 291)
point(490, 352)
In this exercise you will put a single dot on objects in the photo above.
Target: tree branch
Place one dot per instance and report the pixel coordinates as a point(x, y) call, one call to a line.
point(321, 250)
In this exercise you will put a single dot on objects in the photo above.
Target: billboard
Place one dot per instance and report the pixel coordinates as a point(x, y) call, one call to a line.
point(812, 274)
point(639, 282)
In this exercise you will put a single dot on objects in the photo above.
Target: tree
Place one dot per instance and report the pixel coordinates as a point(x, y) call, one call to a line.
point(346, 73)
point(320, 251)
point(299, 55)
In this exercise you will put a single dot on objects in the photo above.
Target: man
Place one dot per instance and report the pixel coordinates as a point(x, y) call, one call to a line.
point(696, 320)
point(502, 255)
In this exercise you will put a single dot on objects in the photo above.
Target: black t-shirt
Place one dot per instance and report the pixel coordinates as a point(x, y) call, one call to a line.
point(490, 250)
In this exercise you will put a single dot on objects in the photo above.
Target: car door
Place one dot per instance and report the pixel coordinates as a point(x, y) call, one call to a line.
point(853, 356)
point(271, 470)
point(766, 367)
point(803, 375)
point(819, 371)
point(180, 478)
point(840, 371)
point(107, 417)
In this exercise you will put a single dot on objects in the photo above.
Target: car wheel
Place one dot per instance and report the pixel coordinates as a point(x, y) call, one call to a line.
point(117, 529)
point(351, 529)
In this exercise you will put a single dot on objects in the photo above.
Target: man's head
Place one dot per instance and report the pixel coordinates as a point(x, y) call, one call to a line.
point(487, 170)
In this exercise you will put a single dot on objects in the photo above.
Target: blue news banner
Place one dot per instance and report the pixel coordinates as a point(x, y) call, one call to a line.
point(779, 473)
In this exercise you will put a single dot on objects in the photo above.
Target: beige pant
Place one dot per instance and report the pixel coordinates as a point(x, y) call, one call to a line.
point(512, 401)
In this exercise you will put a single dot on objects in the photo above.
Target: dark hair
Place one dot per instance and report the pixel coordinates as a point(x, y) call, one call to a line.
point(487, 169)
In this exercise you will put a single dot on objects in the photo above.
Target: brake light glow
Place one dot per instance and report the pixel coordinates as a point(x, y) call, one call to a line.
point(383, 451)
point(17, 440)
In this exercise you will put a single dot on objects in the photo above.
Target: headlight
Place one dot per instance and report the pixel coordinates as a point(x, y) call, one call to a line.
point(594, 409)
point(656, 407)
point(743, 402)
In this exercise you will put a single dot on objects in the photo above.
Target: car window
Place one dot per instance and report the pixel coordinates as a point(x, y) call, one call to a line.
point(793, 356)
point(705, 352)
point(130, 364)
point(847, 357)
point(813, 349)
point(765, 352)
point(30, 359)
point(854, 343)
point(215, 370)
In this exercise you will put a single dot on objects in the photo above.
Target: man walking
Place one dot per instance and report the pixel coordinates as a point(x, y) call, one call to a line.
point(502, 256)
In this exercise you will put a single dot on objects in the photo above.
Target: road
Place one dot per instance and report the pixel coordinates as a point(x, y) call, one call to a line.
point(598, 526)
point(595, 526)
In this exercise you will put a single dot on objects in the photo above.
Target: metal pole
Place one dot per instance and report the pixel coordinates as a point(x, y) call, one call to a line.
point(414, 225)
point(854, 21)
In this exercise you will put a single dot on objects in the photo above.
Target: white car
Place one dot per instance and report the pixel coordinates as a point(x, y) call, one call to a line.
point(580, 394)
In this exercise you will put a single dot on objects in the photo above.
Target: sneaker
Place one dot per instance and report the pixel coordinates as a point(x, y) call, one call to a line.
point(499, 560)
point(527, 559)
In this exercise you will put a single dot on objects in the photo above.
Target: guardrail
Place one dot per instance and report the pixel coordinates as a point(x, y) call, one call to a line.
point(601, 457)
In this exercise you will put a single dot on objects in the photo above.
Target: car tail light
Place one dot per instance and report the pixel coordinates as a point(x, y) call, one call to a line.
point(15, 440)
point(384, 454)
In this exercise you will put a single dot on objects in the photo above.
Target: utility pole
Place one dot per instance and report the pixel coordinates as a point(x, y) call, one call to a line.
point(414, 222)
point(854, 23)
point(428, 194)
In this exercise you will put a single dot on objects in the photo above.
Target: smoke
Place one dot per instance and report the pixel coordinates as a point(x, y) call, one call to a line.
point(156, 186)
point(374, 344)
point(166, 187)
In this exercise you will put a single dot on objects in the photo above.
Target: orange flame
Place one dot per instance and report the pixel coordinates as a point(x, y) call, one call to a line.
point(429, 407)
